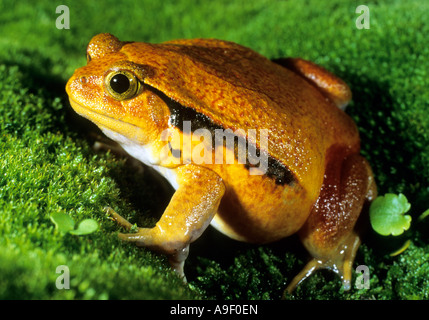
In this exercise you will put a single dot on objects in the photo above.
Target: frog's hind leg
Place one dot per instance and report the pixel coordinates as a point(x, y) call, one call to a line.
point(328, 83)
point(330, 234)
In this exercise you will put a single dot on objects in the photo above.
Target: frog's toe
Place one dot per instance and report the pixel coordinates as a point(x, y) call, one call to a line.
point(177, 261)
point(131, 237)
point(119, 219)
point(340, 262)
point(307, 271)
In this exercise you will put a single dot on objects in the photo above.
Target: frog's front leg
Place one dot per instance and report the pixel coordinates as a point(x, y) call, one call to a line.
point(188, 214)
point(330, 234)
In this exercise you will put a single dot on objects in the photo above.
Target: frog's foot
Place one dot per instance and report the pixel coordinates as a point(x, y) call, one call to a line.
point(145, 237)
point(190, 211)
point(330, 233)
point(341, 263)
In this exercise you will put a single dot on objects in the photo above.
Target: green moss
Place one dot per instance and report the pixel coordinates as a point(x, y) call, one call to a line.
point(43, 172)
point(263, 277)
point(47, 164)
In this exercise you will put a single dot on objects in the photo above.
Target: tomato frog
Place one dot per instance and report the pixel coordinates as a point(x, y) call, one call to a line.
point(187, 107)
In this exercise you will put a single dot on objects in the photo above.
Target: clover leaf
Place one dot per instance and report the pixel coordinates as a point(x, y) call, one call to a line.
point(387, 214)
point(64, 223)
point(87, 226)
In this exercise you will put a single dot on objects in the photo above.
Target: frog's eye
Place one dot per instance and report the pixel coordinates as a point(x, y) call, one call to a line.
point(121, 85)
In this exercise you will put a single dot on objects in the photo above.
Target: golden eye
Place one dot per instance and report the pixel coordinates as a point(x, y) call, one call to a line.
point(122, 84)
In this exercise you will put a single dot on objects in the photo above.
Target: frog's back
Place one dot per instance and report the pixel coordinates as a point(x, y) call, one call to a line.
point(239, 89)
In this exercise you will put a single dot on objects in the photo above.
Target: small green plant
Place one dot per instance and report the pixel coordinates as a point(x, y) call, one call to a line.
point(387, 214)
point(387, 217)
point(423, 215)
point(64, 223)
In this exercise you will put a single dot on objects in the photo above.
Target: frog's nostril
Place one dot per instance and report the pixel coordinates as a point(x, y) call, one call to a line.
point(83, 80)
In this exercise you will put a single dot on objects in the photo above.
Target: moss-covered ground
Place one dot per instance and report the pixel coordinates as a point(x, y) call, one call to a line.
point(48, 165)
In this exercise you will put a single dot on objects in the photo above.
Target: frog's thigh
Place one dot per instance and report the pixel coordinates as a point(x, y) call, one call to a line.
point(332, 86)
point(188, 214)
point(329, 234)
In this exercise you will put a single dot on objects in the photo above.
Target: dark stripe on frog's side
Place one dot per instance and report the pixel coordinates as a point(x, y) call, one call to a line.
point(179, 113)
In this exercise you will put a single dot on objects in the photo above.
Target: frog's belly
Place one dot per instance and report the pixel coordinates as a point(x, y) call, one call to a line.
point(255, 209)
point(253, 228)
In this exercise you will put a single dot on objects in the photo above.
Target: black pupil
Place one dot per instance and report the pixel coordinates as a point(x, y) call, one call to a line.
point(120, 83)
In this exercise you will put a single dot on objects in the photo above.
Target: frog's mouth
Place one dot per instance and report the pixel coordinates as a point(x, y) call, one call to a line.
point(107, 123)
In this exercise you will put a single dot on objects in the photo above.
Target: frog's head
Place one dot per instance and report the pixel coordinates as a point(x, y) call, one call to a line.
point(110, 91)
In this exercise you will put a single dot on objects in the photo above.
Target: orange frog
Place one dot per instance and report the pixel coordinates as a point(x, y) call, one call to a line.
point(187, 107)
